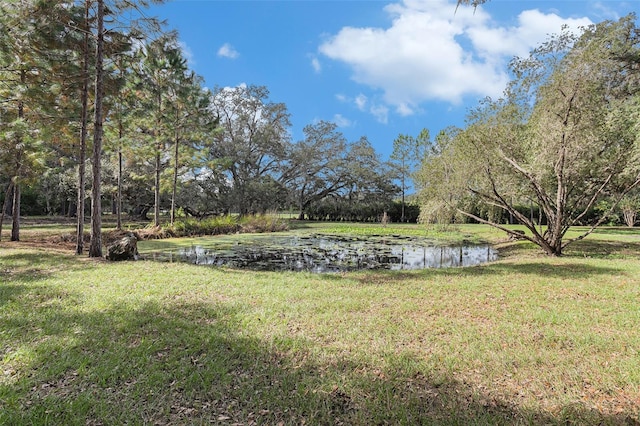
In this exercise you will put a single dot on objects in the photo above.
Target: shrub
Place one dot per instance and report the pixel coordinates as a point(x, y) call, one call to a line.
point(263, 223)
point(227, 224)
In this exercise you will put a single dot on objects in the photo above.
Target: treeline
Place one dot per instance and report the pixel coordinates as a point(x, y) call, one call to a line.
point(99, 111)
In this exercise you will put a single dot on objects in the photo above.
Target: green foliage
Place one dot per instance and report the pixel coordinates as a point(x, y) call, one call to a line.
point(166, 138)
point(629, 207)
point(209, 226)
point(227, 224)
point(408, 153)
point(251, 143)
point(345, 210)
point(604, 210)
point(262, 223)
point(563, 139)
point(409, 212)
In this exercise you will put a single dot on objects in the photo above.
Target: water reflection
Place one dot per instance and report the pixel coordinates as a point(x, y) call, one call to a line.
point(329, 253)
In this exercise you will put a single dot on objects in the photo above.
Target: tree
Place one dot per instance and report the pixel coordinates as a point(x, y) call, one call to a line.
point(5, 204)
point(252, 142)
point(70, 55)
point(369, 181)
point(161, 72)
point(123, 105)
point(317, 165)
point(191, 123)
point(84, 122)
point(630, 205)
point(95, 244)
point(564, 137)
point(408, 153)
point(23, 94)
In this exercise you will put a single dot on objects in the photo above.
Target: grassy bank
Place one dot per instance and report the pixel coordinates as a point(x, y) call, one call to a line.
point(527, 339)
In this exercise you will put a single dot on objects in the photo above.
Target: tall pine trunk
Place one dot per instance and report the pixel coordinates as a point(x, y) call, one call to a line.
point(82, 154)
point(175, 176)
point(95, 246)
point(119, 193)
point(15, 229)
point(156, 207)
point(5, 204)
point(120, 138)
point(15, 212)
point(402, 215)
point(158, 164)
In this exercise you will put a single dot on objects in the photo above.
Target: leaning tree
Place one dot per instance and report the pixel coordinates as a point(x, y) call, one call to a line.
point(564, 137)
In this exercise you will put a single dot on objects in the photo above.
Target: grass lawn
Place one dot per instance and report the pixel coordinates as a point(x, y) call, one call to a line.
point(525, 340)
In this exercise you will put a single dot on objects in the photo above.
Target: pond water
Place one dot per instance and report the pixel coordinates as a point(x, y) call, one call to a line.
point(327, 253)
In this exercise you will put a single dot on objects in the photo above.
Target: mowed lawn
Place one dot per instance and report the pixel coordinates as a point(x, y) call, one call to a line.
point(525, 340)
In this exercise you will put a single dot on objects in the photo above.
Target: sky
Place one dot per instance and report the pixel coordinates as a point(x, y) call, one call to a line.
point(376, 68)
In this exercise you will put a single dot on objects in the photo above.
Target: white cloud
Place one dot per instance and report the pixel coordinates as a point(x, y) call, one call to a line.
point(603, 10)
point(363, 103)
point(187, 53)
point(431, 53)
point(317, 67)
point(228, 51)
point(341, 121)
point(381, 113)
point(533, 27)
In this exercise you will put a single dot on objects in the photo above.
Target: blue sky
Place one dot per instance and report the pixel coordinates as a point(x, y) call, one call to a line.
point(375, 68)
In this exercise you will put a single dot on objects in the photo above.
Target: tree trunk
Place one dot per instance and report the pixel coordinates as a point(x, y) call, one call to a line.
point(402, 215)
point(158, 135)
point(95, 245)
point(5, 204)
point(120, 137)
point(15, 213)
point(629, 215)
point(82, 154)
point(554, 249)
point(119, 194)
point(156, 207)
point(175, 178)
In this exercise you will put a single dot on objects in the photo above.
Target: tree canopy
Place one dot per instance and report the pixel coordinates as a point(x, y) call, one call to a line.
point(560, 148)
point(97, 101)
point(564, 137)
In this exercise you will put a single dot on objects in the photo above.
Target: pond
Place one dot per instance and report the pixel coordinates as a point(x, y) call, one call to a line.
point(325, 253)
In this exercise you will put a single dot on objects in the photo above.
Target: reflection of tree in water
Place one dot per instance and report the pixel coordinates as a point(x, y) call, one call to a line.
point(330, 253)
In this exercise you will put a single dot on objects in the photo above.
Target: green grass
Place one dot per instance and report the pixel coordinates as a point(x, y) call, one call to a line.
point(525, 340)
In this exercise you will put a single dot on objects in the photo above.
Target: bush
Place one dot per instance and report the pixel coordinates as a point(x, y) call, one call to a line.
point(263, 223)
point(227, 224)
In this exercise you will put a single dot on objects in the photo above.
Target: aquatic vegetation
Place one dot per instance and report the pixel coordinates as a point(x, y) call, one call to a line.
point(326, 253)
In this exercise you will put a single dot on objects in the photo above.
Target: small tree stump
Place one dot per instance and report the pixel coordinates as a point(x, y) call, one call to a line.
point(124, 249)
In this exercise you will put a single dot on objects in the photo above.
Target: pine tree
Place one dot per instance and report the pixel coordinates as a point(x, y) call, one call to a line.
point(24, 94)
point(95, 244)
point(161, 71)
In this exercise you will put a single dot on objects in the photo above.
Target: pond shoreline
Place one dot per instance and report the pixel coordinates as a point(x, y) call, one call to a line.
point(323, 253)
